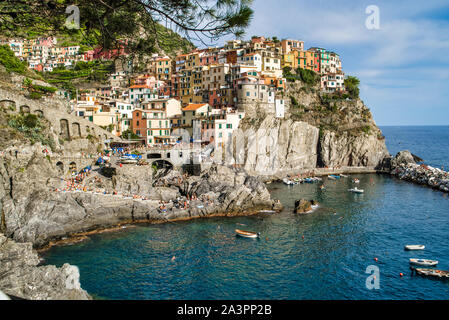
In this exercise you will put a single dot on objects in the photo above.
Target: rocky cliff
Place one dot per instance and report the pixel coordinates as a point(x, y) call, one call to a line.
point(318, 130)
point(21, 276)
point(31, 209)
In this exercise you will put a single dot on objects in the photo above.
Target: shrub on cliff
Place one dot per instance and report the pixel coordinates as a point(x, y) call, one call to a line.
point(31, 127)
point(309, 77)
point(10, 61)
point(352, 87)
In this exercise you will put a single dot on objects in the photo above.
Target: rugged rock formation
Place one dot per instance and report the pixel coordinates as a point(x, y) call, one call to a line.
point(21, 277)
point(404, 167)
point(304, 206)
point(317, 131)
point(31, 209)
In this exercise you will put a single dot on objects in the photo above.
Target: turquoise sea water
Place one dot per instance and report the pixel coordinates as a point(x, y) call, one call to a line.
point(341, 239)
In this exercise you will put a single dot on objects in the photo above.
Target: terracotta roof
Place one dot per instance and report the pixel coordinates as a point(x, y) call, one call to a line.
point(193, 106)
point(139, 86)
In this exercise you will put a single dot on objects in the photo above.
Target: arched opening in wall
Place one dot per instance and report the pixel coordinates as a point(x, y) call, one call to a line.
point(64, 133)
point(24, 109)
point(8, 105)
point(162, 164)
point(39, 113)
point(72, 166)
point(76, 130)
point(60, 167)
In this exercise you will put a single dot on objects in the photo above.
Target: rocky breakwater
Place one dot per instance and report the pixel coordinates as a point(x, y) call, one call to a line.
point(20, 275)
point(404, 167)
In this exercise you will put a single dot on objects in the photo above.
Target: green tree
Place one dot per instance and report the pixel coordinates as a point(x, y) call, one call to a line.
point(287, 71)
point(308, 76)
point(128, 134)
point(118, 24)
point(352, 87)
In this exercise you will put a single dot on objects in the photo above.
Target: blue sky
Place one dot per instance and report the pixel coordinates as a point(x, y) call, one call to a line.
point(403, 66)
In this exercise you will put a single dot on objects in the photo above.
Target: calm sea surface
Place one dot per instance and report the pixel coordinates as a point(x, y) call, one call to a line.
point(428, 143)
point(323, 255)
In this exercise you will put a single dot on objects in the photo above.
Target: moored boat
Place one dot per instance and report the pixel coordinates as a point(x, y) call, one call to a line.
point(126, 160)
point(414, 247)
point(424, 262)
point(356, 180)
point(432, 273)
point(287, 182)
point(334, 176)
point(355, 190)
point(247, 234)
point(343, 175)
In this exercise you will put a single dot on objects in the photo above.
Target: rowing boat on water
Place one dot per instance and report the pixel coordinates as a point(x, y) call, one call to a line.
point(247, 234)
point(355, 190)
point(287, 182)
point(432, 273)
point(414, 247)
point(424, 262)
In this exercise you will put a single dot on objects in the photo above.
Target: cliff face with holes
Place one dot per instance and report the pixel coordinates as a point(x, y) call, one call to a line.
point(317, 130)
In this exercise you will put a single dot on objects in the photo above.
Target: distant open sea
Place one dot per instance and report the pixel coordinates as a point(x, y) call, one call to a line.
point(322, 255)
point(430, 143)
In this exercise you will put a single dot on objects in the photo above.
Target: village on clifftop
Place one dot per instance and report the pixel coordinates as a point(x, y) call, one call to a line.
point(205, 88)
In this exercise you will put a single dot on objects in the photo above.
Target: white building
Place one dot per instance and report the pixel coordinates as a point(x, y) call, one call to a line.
point(280, 108)
point(220, 127)
point(139, 94)
point(254, 60)
point(332, 82)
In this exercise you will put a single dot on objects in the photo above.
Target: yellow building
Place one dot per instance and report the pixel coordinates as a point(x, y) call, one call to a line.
point(290, 60)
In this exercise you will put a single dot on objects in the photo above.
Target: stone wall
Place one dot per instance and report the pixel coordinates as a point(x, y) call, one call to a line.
point(66, 125)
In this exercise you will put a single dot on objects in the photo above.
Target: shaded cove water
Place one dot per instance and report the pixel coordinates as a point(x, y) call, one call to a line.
point(341, 239)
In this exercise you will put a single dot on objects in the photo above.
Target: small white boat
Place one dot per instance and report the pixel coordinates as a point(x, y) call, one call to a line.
point(424, 262)
point(343, 175)
point(356, 181)
point(414, 247)
point(287, 182)
point(355, 190)
point(247, 234)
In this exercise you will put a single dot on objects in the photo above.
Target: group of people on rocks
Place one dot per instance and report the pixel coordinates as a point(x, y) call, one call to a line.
point(75, 182)
point(174, 181)
point(185, 202)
